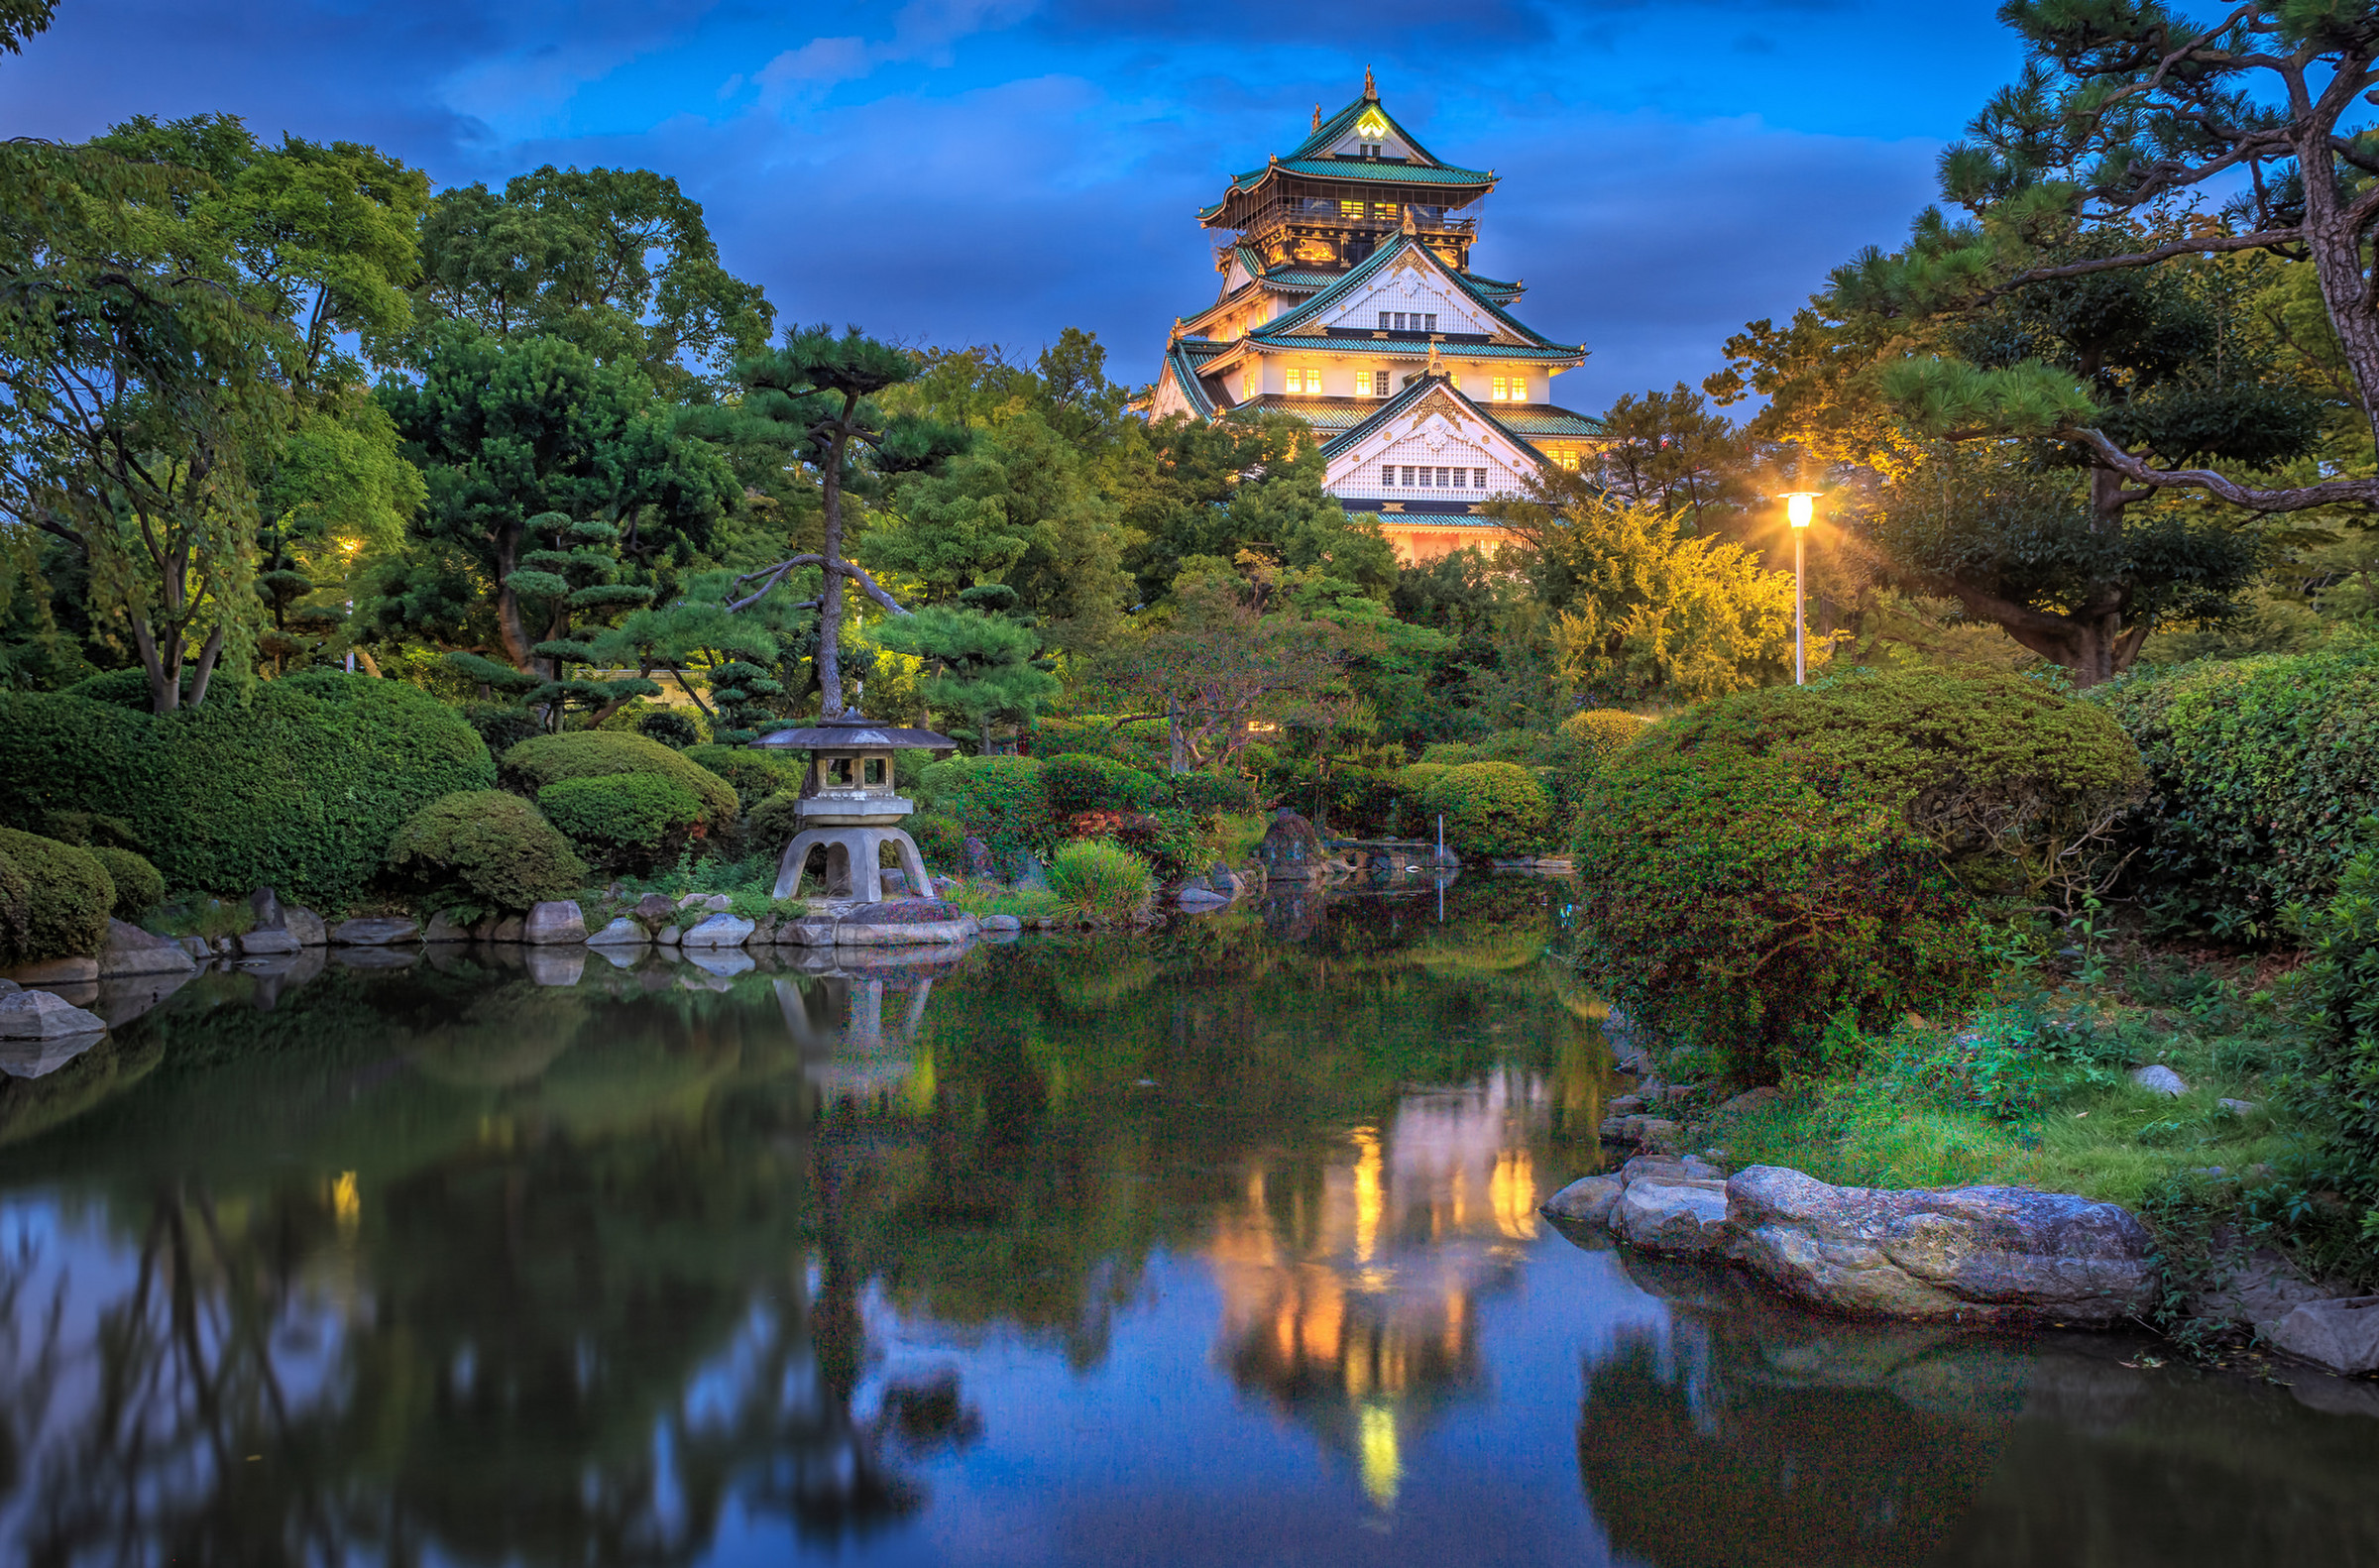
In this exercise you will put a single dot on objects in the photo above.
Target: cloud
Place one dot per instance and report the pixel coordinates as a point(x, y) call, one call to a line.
point(922, 30)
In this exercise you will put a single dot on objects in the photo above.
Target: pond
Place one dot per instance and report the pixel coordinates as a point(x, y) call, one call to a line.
point(1215, 1246)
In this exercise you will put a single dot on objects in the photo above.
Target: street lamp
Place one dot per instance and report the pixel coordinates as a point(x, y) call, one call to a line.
point(1798, 503)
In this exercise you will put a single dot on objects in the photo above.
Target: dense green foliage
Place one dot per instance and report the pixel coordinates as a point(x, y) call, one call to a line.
point(1490, 809)
point(601, 753)
point(754, 774)
point(2258, 771)
point(1211, 795)
point(1600, 733)
point(297, 783)
point(670, 727)
point(1075, 783)
point(55, 899)
point(1740, 902)
point(139, 886)
point(772, 824)
point(998, 800)
point(2342, 985)
point(2006, 777)
point(621, 821)
point(1102, 879)
point(489, 845)
point(938, 839)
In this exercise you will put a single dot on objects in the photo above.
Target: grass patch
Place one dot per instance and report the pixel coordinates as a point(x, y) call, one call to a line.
point(1237, 837)
point(1025, 903)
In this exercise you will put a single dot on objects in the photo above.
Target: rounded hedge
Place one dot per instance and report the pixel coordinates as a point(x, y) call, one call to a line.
point(754, 775)
point(998, 800)
point(501, 726)
point(2257, 773)
point(2002, 774)
point(1492, 809)
point(938, 839)
point(58, 899)
point(621, 818)
point(1741, 903)
point(774, 822)
point(601, 753)
point(670, 727)
point(1076, 782)
point(489, 844)
point(297, 784)
point(138, 886)
point(1599, 733)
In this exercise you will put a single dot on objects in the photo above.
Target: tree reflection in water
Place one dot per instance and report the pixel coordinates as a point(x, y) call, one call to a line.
point(484, 1271)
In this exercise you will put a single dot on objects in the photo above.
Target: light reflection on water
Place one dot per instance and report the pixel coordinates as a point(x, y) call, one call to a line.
point(1219, 1247)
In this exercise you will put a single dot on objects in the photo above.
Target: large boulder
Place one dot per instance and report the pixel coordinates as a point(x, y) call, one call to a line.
point(553, 924)
point(131, 951)
point(266, 941)
point(620, 933)
point(1986, 1254)
point(2340, 1335)
point(39, 1015)
point(57, 971)
point(976, 863)
point(1673, 1216)
point(443, 927)
point(1586, 1201)
point(654, 910)
point(380, 932)
point(1291, 850)
point(719, 930)
point(307, 927)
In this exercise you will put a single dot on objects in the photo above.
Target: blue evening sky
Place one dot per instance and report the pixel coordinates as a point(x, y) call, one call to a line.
point(992, 171)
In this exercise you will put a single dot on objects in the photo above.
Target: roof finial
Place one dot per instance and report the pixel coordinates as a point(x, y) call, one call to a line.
point(1371, 89)
point(1434, 368)
point(1317, 117)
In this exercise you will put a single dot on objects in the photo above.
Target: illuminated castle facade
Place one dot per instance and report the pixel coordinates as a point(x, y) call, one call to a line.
point(1348, 302)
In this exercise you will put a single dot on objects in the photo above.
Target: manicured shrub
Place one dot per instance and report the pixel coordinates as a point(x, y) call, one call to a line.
point(937, 840)
point(1141, 743)
point(1739, 902)
point(754, 775)
point(671, 728)
point(1102, 881)
point(622, 821)
point(1598, 733)
point(2258, 770)
point(775, 822)
point(138, 886)
point(1209, 795)
point(295, 783)
point(58, 899)
point(998, 800)
point(1490, 809)
point(2341, 985)
point(501, 726)
point(603, 754)
point(2010, 781)
point(1077, 783)
point(490, 846)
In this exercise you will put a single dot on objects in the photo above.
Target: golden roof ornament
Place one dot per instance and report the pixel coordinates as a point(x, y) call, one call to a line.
point(1317, 117)
point(1433, 368)
point(1371, 89)
point(1411, 227)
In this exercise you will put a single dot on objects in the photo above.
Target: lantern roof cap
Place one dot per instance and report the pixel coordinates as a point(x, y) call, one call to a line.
point(853, 731)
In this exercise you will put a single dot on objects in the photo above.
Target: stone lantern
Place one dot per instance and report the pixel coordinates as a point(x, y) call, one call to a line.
point(849, 807)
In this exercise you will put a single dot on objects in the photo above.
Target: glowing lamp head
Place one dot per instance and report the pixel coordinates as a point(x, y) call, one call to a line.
point(1797, 507)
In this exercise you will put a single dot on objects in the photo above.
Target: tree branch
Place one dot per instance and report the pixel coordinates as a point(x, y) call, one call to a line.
point(2253, 497)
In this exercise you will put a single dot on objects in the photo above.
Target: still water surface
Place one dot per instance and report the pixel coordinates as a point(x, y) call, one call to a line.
point(1215, 1247)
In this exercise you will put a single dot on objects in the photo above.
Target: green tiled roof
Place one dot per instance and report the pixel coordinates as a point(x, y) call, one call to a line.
point(1383, 173)
point(1310, 158)
point(1331, 416)
point(1405, 349)
point(1274, 333)
point(1543, 418)
point(1185, 376)
point(1338, 125)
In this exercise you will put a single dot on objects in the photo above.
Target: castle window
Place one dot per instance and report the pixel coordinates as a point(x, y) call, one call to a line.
point(1428, 323)
point(1379, 383)
point(1499, 391)
point(1306, 382)
point(1478, 479)
point(1408, 476)
point(1350, 209)
point(1385, 211)
point(1388, 474)
point(1383, 321)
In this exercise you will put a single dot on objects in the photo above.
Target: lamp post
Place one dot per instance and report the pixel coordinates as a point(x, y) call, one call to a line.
point(1797, 506)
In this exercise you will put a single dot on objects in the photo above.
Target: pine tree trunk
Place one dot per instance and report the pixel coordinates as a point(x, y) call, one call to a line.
point(830, 604)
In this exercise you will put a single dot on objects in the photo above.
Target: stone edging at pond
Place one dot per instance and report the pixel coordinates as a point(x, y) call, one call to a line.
point(1979, 1255)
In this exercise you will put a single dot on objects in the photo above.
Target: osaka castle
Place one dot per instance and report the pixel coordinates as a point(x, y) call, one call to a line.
point(1348, 301)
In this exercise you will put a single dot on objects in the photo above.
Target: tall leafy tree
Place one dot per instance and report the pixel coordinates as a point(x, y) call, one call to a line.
point(22, 19)
point(1671, 451)
point(618, 260)
point(504, 429)
point(135, 386)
